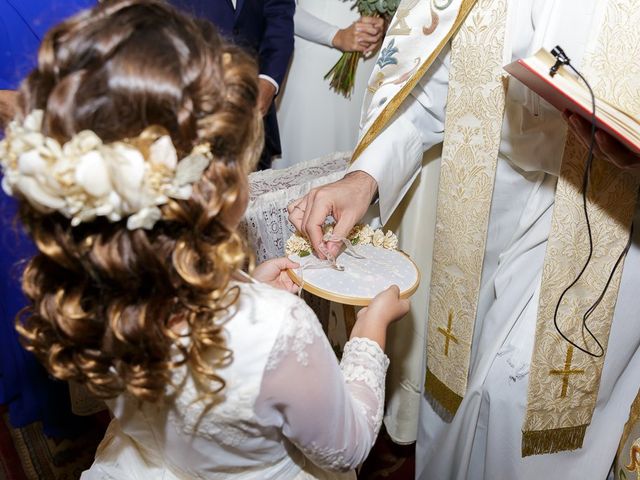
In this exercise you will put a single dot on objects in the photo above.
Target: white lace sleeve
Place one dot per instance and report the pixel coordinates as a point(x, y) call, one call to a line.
point(331, 412)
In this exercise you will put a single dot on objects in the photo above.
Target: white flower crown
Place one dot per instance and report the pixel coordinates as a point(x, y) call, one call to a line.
point(85, 178)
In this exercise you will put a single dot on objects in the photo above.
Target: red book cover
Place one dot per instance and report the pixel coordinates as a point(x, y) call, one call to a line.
point(552, 91)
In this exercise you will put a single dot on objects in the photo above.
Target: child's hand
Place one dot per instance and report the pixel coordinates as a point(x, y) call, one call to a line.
point(386, 307)
point(273, 272)
point(374, 319)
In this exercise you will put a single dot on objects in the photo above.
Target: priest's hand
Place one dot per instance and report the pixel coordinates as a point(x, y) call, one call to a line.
point(606, 147)
point(274, 272)
point(346, 200)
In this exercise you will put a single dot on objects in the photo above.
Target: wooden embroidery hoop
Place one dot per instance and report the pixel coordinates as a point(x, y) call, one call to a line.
point(351, 300)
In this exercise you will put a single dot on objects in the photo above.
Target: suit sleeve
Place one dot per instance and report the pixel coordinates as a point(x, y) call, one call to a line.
point(276, 46)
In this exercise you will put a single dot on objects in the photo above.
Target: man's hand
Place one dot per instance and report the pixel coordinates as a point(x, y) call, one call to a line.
point(606, 147)
point(8, 104)
point(274, 272)
point(346, 201)
point(266, 92)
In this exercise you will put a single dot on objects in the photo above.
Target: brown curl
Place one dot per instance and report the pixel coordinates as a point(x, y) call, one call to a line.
point(117, 309)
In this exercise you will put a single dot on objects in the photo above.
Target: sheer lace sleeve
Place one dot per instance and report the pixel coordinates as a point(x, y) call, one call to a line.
point(331, 412)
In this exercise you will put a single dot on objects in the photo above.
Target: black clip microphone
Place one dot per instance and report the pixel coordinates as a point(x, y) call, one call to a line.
point(561, 59)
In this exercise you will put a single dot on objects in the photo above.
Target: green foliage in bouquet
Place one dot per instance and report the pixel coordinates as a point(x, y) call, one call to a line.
point(343, 74)
point(377, 8)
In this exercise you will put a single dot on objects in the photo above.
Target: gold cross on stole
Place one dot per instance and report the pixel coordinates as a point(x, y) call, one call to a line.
point(566, 372)
point(448, 335)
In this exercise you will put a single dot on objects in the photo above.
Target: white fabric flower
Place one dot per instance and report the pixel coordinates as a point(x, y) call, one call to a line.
point(390, 241)
point(296, 244)
point(85, 178)
point(378, 238)
point(33, 121)
point(92, 175)
point(163, 153)
point(37, 196)
point(127, 170)
point(190, 169)
point(365, 235)
point(145, 218)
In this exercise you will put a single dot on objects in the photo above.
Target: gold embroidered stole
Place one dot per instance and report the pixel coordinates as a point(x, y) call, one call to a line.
point(417, 34)
point(563, 381)
point(475, 108)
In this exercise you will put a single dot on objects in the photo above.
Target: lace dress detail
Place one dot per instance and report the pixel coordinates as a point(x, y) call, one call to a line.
point(231, 421)
point(329, 458)
point(350, 396)
point(363, 362)
point(295, 336)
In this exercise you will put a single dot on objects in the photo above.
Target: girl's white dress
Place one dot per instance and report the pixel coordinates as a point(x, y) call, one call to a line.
point(290, 410)
point(314, 120)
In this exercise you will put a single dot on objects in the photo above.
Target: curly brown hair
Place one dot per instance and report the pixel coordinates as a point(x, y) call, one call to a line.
point(104, 298)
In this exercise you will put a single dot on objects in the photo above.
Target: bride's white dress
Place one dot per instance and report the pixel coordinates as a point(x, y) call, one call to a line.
point(290, 410)
point(314, 120)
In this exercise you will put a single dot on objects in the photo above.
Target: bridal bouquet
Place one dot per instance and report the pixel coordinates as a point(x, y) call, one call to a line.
point(343, 73)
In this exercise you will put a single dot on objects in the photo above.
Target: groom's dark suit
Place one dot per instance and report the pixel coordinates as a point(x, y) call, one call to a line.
point(265, 27)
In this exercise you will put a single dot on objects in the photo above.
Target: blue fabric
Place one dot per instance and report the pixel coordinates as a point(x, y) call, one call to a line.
point(265, 28)
point(24, 385)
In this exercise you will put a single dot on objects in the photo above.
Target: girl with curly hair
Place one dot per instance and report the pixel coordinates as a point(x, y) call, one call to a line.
point(129, 157)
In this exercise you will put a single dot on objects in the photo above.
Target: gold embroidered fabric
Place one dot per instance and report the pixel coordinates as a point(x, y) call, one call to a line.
point(564, 382)
point(475, 108)
point(417, 34)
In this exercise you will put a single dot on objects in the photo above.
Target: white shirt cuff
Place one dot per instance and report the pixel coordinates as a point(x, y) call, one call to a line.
point(271, 81)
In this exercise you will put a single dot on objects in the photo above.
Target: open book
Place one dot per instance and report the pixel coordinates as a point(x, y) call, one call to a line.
point(565, 91)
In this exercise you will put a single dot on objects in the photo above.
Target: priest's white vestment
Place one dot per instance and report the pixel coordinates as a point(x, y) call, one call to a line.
point(483, 441)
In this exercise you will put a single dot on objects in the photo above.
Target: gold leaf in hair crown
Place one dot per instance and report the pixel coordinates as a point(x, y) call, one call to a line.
point(86, 178)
